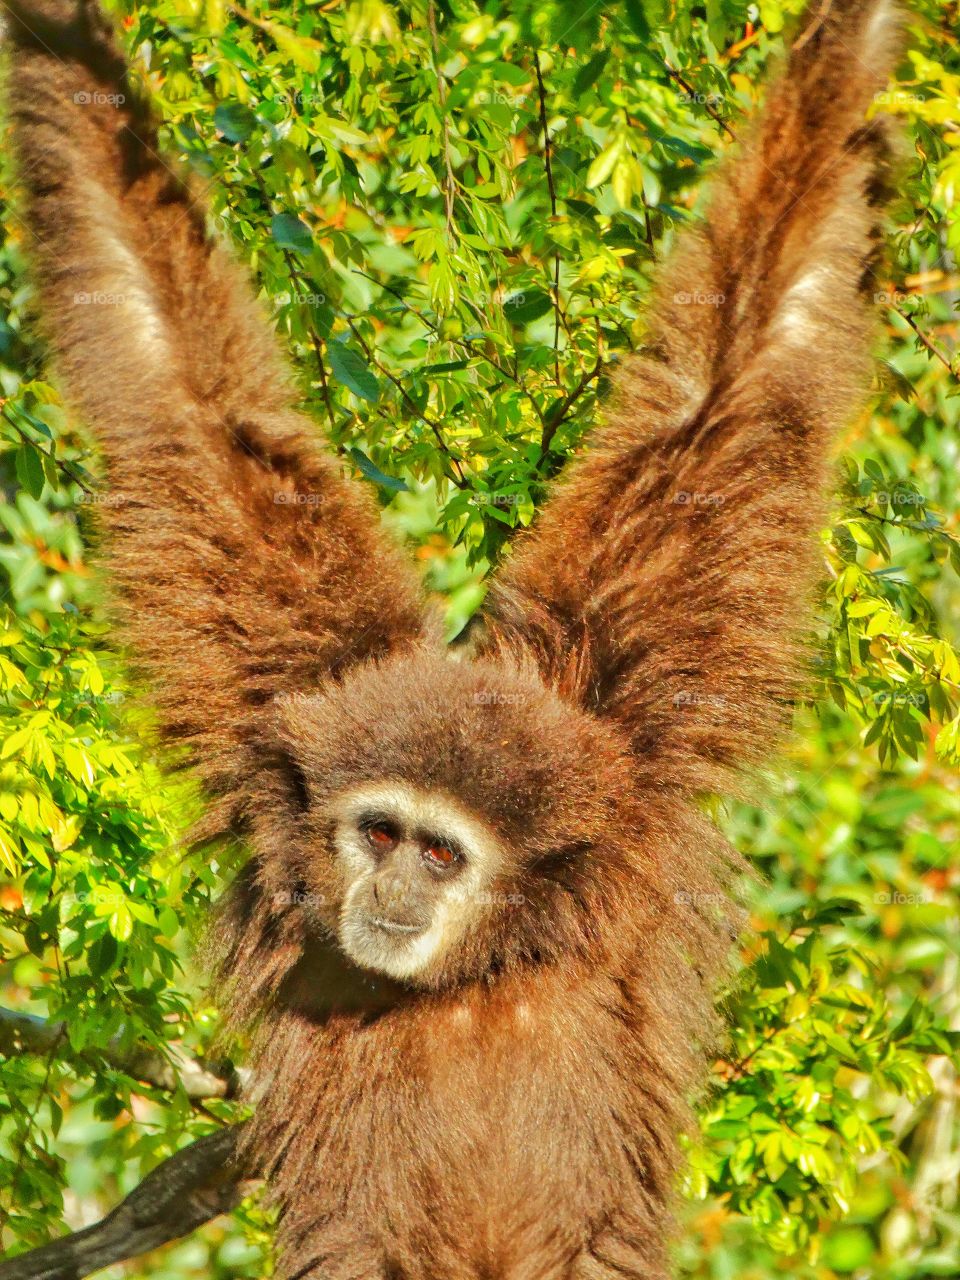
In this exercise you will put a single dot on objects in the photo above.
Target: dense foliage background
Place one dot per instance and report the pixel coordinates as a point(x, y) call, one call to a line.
point(453, 210)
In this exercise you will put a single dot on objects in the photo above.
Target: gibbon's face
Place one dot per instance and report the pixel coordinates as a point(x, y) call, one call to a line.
point(415, 867)
point(456, 819)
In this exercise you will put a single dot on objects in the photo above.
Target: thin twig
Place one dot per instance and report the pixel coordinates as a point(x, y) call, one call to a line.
point(648, 225)
point(814, 26)
point(450, 184)
point(927, 342)
point(736, 1070)
point(459, 479)
point(60, 463)
point(298, 282)
point(51, 1054)
point(688, 88)
point(427, 323)
point(559, 415)
point(466, 344)
point(548, 165)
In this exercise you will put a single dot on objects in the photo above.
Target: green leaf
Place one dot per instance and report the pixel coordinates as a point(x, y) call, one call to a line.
point(235, 121)
point(350, 368)
point(374, 473)
point(168, 922)
point(9, 858)
point(522, 308)
point(291, 233)
point(102, 956)
point(637, 17)
point(303, 51)
point(29, 469)
point(603, 164)
point(590, 73)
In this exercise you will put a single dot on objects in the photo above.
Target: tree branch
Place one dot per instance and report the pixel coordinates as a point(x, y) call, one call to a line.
point(178, 1196)
point(24, 1033)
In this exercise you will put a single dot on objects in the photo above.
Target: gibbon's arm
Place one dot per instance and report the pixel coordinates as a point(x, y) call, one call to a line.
point(665, 582)
point(246, 564)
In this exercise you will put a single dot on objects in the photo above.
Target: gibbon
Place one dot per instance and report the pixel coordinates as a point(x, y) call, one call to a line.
point(479, 934)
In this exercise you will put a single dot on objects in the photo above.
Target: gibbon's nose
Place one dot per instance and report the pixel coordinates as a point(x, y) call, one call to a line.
point(397, 905)
point(390, 890)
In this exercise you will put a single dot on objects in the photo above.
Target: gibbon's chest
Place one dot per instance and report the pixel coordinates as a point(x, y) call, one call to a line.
point(459, 1125)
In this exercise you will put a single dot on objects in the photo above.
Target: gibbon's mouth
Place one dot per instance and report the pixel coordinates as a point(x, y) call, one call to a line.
point(396, 926)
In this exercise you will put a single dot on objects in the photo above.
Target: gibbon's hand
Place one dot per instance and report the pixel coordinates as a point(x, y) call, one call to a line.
point(666, 579)
point(246, 565)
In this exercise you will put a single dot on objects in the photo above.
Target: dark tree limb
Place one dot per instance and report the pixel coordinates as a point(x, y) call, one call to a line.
point(178, 1196)
point(24, 1033)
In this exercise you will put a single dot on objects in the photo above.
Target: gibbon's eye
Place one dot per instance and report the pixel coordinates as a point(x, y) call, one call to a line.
point(381, 836)
point(441, 855)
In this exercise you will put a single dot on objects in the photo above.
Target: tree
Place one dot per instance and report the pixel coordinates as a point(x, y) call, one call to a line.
point(454, 211)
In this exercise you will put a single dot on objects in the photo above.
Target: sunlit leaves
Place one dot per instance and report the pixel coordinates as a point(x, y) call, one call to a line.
point(888, 669)
point(85, 864)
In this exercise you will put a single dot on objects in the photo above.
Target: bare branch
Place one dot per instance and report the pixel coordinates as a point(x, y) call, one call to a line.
point(200, 1182)
point(24, 1033)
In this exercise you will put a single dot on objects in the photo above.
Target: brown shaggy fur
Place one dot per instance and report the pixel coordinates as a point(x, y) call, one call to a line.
point(517, 1118)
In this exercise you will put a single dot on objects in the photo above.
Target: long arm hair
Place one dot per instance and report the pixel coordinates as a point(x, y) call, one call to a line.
point(246, 564)
point(665, 581)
